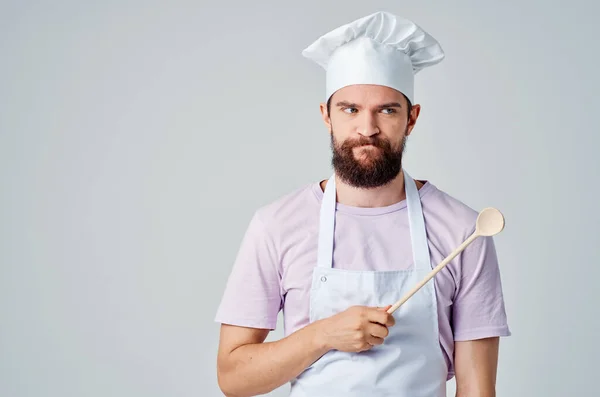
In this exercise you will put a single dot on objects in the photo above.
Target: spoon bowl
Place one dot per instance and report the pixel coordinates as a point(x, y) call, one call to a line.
point(490, 221)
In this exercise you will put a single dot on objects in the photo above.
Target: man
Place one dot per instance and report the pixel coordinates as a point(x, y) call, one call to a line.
point(336, 254)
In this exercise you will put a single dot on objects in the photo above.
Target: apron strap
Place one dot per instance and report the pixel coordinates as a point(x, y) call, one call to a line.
point(327, 225)
point(418, 233)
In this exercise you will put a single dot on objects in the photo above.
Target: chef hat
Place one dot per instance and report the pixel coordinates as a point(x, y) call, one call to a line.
point(380, 49)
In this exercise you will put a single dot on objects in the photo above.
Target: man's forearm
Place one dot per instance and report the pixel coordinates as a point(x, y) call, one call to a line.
point(487, 392)
point(258, 368)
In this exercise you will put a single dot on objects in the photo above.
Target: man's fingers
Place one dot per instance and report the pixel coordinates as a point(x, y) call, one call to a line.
point(382, 317)
point(377, 315)
point(378, 331)
point(374, 341)
point(391, 321)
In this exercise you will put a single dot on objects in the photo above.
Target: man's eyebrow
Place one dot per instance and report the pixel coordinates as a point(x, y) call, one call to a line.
point(346, 104)
point(390, 105)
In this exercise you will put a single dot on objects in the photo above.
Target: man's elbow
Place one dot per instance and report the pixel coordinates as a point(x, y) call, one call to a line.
point(233, 385)
point(228, 393)
point(225, 383)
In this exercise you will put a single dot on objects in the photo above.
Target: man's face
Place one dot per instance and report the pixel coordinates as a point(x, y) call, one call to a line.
point(368, 126)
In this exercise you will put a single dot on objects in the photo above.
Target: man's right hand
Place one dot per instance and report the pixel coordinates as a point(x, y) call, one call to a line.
point(357, 328)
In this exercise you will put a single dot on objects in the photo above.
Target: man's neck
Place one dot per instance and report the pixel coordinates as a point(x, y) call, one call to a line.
point(382, 196)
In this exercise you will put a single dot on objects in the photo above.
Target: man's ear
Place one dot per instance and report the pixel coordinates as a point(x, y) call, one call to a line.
point(412, 118)
point(325, 116)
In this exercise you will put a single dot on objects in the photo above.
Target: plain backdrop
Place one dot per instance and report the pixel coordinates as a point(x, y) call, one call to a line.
point(138, 137)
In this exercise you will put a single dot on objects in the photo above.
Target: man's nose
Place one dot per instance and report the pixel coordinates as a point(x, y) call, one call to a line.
point(368, 125)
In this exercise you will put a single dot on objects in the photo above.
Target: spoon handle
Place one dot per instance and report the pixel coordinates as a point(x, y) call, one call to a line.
point(433, 272)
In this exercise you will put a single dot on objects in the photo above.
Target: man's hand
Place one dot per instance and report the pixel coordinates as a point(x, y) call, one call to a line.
point(356, 329)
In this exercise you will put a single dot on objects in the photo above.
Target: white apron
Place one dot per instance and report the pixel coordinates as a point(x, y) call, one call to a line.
point(410, 361)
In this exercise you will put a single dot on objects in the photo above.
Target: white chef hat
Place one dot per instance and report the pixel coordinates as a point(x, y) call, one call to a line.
point(381, 49)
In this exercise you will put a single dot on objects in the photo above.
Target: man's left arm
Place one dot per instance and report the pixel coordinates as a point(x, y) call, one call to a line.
point(479, 320)
point(475, 365)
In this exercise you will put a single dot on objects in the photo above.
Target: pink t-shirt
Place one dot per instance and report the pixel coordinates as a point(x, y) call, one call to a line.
point(273, 268)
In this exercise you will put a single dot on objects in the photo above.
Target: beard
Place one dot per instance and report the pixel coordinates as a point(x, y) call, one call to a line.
point(373, 167)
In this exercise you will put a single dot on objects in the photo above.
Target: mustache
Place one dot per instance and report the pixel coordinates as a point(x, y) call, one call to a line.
point(363, 140)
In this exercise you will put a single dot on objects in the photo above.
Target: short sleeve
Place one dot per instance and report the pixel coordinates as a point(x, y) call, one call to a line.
point(478, 308)
point(252, 296)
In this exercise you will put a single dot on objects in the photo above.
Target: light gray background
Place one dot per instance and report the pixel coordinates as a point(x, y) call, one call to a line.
point(137, 138)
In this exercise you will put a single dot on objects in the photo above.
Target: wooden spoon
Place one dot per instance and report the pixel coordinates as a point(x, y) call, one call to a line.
point(489, 222)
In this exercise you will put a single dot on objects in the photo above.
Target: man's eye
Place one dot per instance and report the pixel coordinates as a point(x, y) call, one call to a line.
point(389, 111)
point(349, 110)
